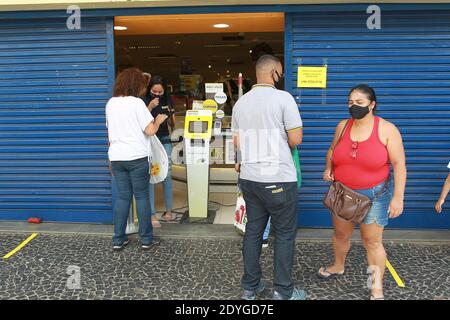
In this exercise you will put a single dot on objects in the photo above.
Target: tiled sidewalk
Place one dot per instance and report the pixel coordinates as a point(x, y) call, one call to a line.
point(202, 268)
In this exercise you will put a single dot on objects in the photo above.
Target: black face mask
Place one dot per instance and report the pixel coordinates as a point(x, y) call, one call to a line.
point(358, 112)
point(154, 96)
point(277, 83)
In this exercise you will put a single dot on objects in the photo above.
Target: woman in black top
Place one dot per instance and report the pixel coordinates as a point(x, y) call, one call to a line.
point(159, 102)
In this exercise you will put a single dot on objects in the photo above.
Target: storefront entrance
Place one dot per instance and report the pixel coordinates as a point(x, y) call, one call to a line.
point(189, 51)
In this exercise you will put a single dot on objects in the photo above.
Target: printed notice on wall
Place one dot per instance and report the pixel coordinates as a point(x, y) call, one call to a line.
point(312, 77)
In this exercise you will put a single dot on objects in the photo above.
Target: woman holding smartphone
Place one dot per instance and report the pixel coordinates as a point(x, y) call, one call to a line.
point(159, 102)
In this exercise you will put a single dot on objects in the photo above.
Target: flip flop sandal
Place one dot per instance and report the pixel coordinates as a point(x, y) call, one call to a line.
point(330, 274)
point(372, 297)
point(156, 224)
point(163, 219)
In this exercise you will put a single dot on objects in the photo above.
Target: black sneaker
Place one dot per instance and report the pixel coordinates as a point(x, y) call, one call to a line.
point(146, 246)
point(251, 295)
point(120, 247)
point(265, 243)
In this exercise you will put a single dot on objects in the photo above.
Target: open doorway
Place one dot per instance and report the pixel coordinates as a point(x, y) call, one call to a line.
point(189, 51)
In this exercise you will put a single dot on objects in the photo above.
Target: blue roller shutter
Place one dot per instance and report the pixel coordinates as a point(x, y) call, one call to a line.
point(54, 83)
point(408, 64)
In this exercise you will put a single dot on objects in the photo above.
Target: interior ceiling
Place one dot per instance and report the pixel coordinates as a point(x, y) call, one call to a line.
point(201, 23)
point(212, 54)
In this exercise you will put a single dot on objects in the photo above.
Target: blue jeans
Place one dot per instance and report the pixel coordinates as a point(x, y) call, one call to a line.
point(132, 178)
point(379, 212)
point(167, 183)
point(279, 202)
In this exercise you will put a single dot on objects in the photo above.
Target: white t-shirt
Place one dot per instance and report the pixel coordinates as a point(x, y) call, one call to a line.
point(126, 120)
point(262, 118)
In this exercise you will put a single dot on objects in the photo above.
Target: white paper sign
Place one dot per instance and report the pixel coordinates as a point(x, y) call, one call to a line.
point(197, 105)
point(213, 87)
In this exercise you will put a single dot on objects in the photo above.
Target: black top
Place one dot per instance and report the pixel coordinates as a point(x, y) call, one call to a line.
point(164, 106)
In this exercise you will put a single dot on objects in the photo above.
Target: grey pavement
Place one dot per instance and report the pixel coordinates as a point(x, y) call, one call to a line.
point(198, 266)
point(199, 230)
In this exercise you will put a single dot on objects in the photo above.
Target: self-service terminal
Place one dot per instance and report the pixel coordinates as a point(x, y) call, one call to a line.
point(197, 136)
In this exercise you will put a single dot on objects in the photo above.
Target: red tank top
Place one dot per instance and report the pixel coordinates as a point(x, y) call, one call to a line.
point(361, 165)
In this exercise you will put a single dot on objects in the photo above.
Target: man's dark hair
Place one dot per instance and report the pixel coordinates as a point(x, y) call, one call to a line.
point(265, 60)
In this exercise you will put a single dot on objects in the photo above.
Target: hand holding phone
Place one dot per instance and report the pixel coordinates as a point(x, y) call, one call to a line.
point(153, 104)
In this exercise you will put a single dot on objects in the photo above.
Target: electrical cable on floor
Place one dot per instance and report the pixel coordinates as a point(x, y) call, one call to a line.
point(178, 219)
point(223, 205)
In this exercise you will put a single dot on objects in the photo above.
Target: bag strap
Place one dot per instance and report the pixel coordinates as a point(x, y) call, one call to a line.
point(339, 140)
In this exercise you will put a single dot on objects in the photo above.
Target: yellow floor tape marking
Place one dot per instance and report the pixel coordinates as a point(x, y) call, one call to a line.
point(23, 244)
point(394, 274)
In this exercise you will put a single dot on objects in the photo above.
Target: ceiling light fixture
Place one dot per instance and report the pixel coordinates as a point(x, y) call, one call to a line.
point(221, 25)
point(120, 28)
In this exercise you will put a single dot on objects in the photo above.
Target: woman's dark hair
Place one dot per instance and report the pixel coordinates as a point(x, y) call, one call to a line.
point(368, 91)
point(155, 80)
point(130, 82)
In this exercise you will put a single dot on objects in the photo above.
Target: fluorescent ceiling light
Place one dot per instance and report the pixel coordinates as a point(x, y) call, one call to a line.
point(221, 26)
point(120, 28)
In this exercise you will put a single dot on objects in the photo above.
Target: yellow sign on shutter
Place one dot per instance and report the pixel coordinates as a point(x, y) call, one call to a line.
point(312, 77)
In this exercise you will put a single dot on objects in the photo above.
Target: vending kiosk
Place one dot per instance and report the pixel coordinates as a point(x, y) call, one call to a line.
point(197, 136)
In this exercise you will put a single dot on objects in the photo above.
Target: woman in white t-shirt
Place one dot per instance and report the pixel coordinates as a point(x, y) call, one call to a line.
point(129, 123)
point(444, 193)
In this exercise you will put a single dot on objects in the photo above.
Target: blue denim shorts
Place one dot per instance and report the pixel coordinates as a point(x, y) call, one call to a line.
point(379, 211)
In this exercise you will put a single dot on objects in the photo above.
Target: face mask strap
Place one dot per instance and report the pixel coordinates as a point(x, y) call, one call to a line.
point(273, 76)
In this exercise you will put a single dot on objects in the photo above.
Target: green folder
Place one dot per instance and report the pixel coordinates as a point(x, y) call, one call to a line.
point(296, 159)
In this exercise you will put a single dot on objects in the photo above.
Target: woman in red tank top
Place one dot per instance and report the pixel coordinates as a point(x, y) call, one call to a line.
point(367, 146)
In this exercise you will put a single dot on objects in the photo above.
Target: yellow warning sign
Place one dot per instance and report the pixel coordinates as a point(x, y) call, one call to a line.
point(312, 77)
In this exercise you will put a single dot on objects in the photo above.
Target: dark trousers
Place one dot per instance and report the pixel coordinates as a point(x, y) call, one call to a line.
point(132, 177)
point(278, 201)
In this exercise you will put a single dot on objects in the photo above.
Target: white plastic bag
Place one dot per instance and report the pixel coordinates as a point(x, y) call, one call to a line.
point(241, 214)
point(132, 222)
point(159, 161)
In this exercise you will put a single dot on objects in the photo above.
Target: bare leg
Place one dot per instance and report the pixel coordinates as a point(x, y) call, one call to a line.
point(341, 243)
point(372, 237)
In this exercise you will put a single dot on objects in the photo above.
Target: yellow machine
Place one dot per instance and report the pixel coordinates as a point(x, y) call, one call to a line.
point(197, 136)
point(198, 124)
